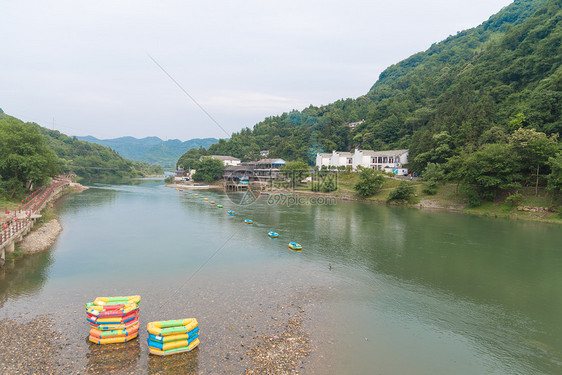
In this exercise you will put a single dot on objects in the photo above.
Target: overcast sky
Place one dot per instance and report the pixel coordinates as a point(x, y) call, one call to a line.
point(87, 64)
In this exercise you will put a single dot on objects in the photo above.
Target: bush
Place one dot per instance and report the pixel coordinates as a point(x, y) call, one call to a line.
point(329, 184)
point(402, 193)
point(370, 182)
point(514, 199)
point(169, 179)
point(430, 187)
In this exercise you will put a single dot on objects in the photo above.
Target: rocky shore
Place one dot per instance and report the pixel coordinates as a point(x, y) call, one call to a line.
point(42, 238)
point(31, 347)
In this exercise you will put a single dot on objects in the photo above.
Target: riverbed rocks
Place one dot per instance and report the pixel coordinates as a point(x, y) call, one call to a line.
point(533, 209)
point(41, 238)
point(31, 347)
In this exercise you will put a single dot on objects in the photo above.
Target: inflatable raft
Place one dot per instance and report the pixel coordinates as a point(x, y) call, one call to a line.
point(121, 300)
point(219, 205)
point(249, 222)
point(295, 246)
point(113, 319)
point(172, 336)
point(273, 234)
point(231, 213)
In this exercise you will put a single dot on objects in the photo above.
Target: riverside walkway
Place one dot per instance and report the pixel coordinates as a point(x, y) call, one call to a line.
point(17, 223)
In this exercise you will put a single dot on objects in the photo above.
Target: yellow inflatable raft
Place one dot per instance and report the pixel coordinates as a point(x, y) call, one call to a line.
point(113, 340)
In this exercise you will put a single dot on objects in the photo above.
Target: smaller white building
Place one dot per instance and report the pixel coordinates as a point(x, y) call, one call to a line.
point(226, 160)
point(323, 160)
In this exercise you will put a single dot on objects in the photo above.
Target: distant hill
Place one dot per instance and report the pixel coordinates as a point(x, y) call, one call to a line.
point(87, 160)
point(151, 149)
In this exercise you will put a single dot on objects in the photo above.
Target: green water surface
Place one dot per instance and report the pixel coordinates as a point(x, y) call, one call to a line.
point(396, 291)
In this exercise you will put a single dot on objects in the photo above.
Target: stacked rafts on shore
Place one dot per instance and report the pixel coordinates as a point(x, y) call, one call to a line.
point(113, 319)
point(172, 336)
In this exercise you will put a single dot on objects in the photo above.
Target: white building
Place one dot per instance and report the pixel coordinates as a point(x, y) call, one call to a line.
point(339, 159)
point(389, 161)
point(226, 160)
point(323, 160)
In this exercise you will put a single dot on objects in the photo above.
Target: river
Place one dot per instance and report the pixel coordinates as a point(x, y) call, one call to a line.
point(381, 290)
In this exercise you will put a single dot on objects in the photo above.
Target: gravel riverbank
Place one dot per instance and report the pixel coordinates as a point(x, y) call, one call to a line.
point(40, 239)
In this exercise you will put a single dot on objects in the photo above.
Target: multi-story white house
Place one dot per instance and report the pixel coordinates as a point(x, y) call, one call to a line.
point(389, 161)
point(341, 159)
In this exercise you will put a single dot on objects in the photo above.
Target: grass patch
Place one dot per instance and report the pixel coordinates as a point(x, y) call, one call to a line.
point(47, 214)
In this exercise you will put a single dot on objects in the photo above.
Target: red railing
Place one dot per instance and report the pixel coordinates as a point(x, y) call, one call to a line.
point(17, 221)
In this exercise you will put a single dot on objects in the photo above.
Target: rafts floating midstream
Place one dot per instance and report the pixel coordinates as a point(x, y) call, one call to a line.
point(231, 213)
point(172, 336)
point(295, 246)
point(249, 222)
point(273, 234)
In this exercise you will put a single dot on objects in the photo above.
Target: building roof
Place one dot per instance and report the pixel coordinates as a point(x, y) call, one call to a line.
point(323, 155)
point(224, 157)
point(271, 161)
point(383, 153)
point(345, 154)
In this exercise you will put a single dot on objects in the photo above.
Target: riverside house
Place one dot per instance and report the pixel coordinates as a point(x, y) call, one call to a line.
point(388, 161)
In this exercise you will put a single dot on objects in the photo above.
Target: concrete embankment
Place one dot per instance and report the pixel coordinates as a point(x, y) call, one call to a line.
point(22, 232)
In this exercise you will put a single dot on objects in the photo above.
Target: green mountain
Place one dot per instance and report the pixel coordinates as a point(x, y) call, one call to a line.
point(473, 96)
point(151, 149)
point(30, 154)
point(464, 85)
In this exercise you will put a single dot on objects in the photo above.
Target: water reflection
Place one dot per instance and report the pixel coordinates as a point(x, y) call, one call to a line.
point(24, 276)
point(106, 359)
point(176, 364)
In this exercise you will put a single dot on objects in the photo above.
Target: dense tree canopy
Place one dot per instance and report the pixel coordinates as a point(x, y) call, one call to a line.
point(209, 170)
point(31, 154)
point(25, 158)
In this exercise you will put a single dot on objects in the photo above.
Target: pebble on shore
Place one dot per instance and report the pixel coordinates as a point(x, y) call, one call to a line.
point(31, 348)
point(41, 238)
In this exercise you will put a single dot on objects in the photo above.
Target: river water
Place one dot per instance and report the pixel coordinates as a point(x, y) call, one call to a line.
point(382, 290)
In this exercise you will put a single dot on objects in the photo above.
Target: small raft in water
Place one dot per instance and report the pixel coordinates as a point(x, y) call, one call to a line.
point(231, 213)
point(249, 222)
point(295, 246)
point(273, 234)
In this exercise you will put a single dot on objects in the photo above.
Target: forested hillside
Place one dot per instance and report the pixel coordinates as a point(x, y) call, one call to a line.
point(151, 149)
point(479, 88)
point(31, 154)
point(465, 84)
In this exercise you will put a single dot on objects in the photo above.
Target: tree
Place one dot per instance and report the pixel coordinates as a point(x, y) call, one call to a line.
point(25, 158)
point(533, 150)
point(209, 170)
point(295, 171)
point(370, 182)
point(488, 171)
point(555, 177)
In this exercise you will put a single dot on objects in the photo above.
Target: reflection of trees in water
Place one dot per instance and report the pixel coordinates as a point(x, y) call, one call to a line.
point(110, 358)
point(24, 276)
point(75, 203)
point(182, 363)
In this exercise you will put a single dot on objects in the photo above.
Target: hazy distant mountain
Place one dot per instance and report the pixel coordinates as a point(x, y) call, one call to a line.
point(151, 149)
